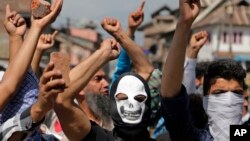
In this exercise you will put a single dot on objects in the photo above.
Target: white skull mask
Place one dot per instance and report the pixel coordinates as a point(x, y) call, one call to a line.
point(130, 98)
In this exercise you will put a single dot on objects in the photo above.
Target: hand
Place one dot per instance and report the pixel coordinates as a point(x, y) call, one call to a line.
point(189, 10)
point(136, 18)
point(14, 23)
point(46, 41)
point(49, 88)
point(111, 48)
point(196, 43)
point(111, 25)
point(51, 17)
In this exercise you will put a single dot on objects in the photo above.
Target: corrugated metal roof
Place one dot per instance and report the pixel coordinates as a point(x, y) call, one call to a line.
point(240, 14)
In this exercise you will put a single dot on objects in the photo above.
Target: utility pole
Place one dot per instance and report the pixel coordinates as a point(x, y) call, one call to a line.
point(230, 11)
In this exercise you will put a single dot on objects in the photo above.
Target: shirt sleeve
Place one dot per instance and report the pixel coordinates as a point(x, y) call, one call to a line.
point(189, 75)
point(176, 113)
point(20, 122)
point(154, 84)
point(123, 65)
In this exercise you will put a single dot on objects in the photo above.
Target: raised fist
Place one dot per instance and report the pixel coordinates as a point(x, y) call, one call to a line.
point(189, 10)
point(110, 48)
point(46, 41)
point(111, 25)
point(197, 41)
point(14, 23)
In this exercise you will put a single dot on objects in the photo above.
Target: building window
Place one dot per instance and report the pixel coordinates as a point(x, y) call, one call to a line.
point(225, 37)
point(235, 37)
point(240, 38)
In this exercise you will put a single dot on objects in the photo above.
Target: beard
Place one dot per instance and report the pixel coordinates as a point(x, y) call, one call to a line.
point(99, 104)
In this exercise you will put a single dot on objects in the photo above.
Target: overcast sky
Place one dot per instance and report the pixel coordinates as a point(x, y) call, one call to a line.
point(97, 9)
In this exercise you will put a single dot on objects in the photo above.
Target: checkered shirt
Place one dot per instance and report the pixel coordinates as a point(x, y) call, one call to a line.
point(24, 98)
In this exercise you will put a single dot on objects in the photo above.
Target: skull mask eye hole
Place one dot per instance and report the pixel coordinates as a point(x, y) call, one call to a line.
point(121, 96)
point(140, 98)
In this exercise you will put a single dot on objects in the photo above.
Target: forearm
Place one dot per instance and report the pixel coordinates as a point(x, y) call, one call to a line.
point(136, 54)
point(36, 61)
point(173, 68)
point(82, 73)
point(15, 43)
point(18, 67)
point(123, 64)
point(75, 123)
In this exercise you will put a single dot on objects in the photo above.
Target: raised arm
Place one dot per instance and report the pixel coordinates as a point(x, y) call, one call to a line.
point(141, 64)
point(173, 68)
point(195, 44)
point(15, 26)
point(17, 68)
point(45, 42)
point(29, 119)
point(123, 62)
point(75, 123)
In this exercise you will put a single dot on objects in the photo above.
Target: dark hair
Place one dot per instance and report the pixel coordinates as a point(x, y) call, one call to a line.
point(201, 69)
point(2, 68)
point(223, 68)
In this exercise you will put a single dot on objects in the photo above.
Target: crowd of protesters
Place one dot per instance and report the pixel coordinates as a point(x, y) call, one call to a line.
point(186, 101)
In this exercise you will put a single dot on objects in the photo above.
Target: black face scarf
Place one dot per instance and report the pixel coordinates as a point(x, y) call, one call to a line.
point(131, 113)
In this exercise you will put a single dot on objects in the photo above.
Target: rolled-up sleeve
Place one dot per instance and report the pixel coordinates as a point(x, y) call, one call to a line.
point(20, 122)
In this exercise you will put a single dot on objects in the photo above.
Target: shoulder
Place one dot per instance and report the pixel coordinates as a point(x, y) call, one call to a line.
point(98, 133)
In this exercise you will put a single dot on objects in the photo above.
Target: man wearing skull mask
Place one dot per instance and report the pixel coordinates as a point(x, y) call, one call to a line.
point(130, 109)
point(129, 97)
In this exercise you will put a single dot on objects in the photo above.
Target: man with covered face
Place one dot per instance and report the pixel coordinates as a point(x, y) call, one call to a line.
point(129, 100)
point(130, 105)
point(223, 88)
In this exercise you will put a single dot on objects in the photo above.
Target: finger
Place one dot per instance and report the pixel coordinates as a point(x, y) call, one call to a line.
point(42, 37)
point(49, 67)
point(54, 84)
point(49, 38)
point(16, 18)
point(57, 6)
point(113, 42)
point(54, 92)
point(49, 76)
point(54, 34)
point(7, 11)
point(20, 22)
point(142, 5)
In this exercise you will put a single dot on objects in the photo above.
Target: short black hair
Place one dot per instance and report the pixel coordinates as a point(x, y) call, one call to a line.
point(224, 68)
point(201, 69)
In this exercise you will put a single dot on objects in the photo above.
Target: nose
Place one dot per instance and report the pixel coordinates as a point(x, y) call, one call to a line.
point(105, 83)
point(131, 105)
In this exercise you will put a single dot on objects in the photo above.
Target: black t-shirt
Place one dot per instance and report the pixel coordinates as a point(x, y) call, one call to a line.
point(97, 133)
